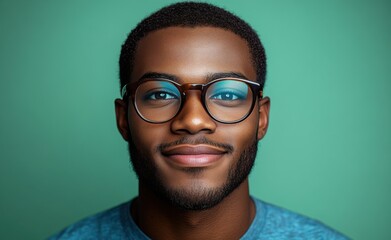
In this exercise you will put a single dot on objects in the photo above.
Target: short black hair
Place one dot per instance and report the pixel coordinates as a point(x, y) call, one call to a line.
point(192, 14)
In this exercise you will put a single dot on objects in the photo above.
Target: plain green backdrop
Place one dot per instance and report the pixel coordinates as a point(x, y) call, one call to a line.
point(327, 153)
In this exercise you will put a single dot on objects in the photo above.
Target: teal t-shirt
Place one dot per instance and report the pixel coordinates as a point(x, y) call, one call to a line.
point(270, 222)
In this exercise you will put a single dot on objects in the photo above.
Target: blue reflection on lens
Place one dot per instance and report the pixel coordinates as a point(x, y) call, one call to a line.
point(160, 90)
point(228, 90)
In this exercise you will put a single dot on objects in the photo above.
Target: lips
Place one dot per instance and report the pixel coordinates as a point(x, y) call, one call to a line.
point(193, 155)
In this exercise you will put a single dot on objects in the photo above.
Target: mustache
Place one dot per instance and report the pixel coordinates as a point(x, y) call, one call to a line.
point(203, 140)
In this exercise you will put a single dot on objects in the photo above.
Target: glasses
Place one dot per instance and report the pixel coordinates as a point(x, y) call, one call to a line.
point(226, 100)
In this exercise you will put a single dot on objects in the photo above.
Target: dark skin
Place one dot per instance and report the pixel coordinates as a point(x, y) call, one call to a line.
point(191, 55)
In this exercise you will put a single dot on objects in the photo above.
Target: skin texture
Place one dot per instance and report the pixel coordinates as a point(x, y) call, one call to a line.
point(191, 55)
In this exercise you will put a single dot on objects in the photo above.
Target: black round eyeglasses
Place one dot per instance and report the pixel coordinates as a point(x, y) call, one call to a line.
point(226, 100)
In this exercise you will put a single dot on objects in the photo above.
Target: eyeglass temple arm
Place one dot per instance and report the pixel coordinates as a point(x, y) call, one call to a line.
point(260, 94)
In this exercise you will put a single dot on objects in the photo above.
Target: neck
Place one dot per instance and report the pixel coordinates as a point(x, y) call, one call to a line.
point(229, 219)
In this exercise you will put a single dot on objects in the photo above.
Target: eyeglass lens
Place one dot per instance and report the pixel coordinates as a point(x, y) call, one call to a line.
point(225, 100)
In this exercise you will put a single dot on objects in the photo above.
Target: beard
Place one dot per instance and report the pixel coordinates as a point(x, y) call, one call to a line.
point(195, 197)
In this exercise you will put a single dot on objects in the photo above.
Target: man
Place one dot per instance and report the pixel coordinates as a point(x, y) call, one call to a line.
point(192, 112)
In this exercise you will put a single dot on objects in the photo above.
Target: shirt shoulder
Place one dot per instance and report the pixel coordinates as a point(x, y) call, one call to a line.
point(273, 222)
point(110, 224)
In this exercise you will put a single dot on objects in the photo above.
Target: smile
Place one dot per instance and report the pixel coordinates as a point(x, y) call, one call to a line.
point(193, 155)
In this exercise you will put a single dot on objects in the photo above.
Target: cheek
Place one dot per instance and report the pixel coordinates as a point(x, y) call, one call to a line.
point(146, 136)
point(241, 135)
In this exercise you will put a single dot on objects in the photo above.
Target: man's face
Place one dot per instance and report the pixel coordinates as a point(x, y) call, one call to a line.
point(192, 160)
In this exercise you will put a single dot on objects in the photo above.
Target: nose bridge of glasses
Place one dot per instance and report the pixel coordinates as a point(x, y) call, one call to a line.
point(193, 111)
point(194, 95)
point(191, 86)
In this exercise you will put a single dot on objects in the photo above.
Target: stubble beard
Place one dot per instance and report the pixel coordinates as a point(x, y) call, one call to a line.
point(196, 197)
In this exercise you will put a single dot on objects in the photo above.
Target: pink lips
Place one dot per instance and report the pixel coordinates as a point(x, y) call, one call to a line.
point(193, 155)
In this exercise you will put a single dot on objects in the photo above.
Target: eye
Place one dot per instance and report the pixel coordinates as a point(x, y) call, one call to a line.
point(160, 95)
point(226, 96)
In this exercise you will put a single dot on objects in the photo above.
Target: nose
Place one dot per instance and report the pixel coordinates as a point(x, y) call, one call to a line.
point(193, 118)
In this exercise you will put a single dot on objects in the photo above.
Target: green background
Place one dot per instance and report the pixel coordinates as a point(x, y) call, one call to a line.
point(328, 149)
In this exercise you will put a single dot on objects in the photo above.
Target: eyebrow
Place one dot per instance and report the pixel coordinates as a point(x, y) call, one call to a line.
point(213, 76)
point(209, 77)
point(158, 75)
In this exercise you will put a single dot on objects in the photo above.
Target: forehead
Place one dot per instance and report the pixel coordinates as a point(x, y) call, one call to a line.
point(192, 53)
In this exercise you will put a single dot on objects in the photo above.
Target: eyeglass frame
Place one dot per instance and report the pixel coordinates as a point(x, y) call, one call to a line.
point(255, 87)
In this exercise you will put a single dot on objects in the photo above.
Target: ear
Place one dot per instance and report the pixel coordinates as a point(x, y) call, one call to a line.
point(122, 119)
point(264, 107)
